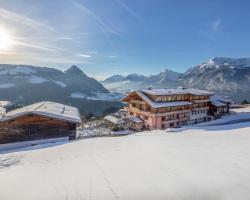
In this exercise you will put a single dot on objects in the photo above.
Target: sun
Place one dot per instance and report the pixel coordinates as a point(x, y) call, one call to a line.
point(6, 40)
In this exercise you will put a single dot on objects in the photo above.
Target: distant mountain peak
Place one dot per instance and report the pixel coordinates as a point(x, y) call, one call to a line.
point(74, 70)
point(226, 61)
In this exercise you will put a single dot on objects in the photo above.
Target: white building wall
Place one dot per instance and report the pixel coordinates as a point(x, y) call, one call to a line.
point(197, 116)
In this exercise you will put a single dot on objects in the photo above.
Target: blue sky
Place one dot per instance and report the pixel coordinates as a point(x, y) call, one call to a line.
point(106, 37)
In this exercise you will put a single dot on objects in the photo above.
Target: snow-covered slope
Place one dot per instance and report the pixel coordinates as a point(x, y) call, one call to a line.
point(206, 163)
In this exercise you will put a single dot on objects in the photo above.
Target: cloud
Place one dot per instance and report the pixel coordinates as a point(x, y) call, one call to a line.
point(212, 30)
point(105, 29)
point(215, 26)
point(38, 46)
point(129, 10)
point(84, 55)
point(112, 56)
point(23, 20)
point(96, 18)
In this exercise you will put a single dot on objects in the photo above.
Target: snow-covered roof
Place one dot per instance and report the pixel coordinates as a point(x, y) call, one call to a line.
point(134, 119)
point(4, 103)
point(159, 92)
point(114, 120)
point(50, 109)
point(218, 103)
point(221, 99)
point(161, 104)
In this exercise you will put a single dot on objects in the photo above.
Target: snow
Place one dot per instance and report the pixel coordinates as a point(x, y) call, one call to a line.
point(30, 145)
point(17, 70)
point(203, 163)
point(36, 79)
point(237, 115)
point(177, 91)
point(221, 99)
point(6, 85)
point(134, 119)
point(217, 102)
point(50, 109)
point(78, 95)
point(97, 96)
point(4, 103)
point(61, 84)
point(114, 120)
point(161, 104)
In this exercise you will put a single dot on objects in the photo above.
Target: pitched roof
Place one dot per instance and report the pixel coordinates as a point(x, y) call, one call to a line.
point(161, 104)
point(222, 99)
point(159, 92)
point(114, 120)
point(219, 101)
point(50, 109)
point(134, 119)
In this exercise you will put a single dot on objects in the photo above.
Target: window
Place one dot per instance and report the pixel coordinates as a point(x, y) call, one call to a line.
point(33, 131)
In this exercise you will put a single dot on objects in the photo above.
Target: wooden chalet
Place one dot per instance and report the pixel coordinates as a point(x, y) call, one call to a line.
point(41, 120)
point(219, 105)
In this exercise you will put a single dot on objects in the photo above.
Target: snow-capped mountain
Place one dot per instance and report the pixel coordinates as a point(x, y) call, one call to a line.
point(228, 76)
point(167, 78)
point(28, 84)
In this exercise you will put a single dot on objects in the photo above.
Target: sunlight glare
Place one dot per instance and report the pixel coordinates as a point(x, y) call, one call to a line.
point(6, 40)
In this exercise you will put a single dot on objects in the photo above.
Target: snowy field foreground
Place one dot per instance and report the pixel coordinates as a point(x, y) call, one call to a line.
point(209, 163)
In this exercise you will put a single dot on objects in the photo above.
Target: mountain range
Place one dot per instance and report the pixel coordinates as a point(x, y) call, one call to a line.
point(23, 84)
point(120, 83)
point(225, 76)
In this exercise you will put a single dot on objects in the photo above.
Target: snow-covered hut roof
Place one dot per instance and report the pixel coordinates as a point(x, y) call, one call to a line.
point(114, 120)
point(161, 104)
point(50, 109)
point(219, 101)
point(4, 103)
point(216, 102)
point(134, 119)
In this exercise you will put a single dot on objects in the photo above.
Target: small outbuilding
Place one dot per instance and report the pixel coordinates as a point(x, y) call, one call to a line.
point(134, 123)
point(115, 123)
point(219, 105)
point(41, 120)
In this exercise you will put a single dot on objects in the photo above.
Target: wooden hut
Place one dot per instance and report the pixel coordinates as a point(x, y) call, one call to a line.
point(39, 121)
point(219, 105)
point(115, 123)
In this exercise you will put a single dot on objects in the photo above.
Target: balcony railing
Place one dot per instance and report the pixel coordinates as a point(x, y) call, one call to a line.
point(149, 112)
point(175, 120)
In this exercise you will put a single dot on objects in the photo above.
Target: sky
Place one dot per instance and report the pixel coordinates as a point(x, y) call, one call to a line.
point(106, 37)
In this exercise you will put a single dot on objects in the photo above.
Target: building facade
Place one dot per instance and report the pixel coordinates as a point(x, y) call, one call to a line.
point(41, 120)
point(219, 105)
point(168, 108)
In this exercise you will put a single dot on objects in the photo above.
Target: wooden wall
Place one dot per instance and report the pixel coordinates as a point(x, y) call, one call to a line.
point(31, 127)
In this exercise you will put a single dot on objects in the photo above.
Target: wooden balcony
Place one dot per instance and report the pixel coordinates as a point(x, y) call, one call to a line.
point(200, 108)
point(147, 112)
point(138, 102)
point(175, 120)
point(201, 101)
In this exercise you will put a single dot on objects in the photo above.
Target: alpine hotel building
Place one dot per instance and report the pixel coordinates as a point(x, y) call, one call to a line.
point(168, 108)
